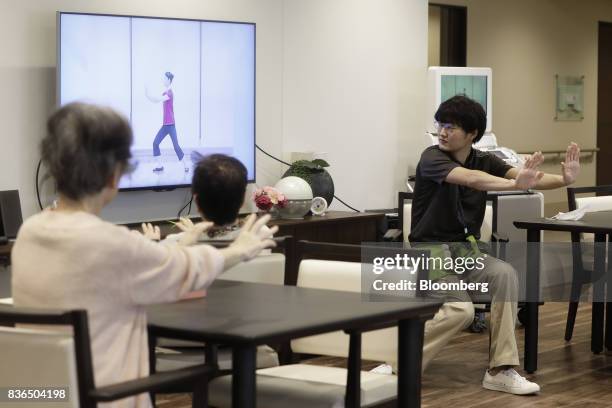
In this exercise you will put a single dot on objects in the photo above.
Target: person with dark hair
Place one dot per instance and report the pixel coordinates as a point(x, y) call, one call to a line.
point(67, 257)
point(452, 180)
point(168, 125)
point(218, 188)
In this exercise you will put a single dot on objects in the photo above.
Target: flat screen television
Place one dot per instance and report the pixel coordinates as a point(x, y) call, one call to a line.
point(186, 86)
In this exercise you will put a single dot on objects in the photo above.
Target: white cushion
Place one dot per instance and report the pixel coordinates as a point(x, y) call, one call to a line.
point(379, 345)
point(267, 268)
point(335, 275)
point(173, 360)
point(305, 385)
point(602, 203)
point(39, 358)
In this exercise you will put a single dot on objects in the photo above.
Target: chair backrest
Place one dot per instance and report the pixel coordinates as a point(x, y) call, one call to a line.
point(489, 223)
point(602, 201)
point(272, 268)
point(320, 269)
point(10, 213)
point(44, 357)
point(39, 359)
point(265, 268)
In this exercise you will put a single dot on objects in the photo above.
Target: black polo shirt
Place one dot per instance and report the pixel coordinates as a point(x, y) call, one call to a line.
point(437, 206)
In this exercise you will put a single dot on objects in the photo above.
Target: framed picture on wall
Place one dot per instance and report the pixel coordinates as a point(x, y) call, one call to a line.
point(570, 98)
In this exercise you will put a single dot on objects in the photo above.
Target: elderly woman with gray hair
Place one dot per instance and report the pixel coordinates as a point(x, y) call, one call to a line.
point(67, 257)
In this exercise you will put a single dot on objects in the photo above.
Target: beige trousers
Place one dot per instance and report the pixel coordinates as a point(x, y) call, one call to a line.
point(457, 313)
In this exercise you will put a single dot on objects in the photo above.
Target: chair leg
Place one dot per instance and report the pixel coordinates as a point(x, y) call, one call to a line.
point(572, 311)
point(573, 308)
point(200, 394)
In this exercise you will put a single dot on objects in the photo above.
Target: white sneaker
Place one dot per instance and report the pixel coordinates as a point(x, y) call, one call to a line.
point(382, 369)
point(509, 381)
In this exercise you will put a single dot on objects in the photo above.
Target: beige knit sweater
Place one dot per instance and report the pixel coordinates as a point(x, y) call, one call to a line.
point(76, 260)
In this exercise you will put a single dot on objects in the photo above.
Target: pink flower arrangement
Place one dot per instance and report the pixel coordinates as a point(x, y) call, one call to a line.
point(268, 197)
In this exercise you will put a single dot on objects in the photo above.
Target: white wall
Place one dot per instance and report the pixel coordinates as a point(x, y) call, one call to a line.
point(527, 43)
point(342, 76)
point(354, 85)
point(27, 66)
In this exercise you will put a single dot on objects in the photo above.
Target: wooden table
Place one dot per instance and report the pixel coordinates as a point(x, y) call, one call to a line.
point(598, 223)
point(338, 227)
point(245, 315)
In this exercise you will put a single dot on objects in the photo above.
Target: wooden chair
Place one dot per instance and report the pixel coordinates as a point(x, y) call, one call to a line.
point(602, 201)
point(333, 267)
point(57, 358)
point(171, 354)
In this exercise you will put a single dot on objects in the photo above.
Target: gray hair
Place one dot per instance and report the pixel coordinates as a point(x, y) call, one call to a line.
point(84, 146)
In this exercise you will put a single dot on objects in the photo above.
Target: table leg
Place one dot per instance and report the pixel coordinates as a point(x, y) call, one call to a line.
point(608, 334)
point(409, 362)
point(243, 380)
point(599, 288)
point(608, 337)
point(533, 297)
point(352, 398)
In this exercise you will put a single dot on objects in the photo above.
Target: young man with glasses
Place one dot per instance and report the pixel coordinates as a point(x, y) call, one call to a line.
point(452, 180)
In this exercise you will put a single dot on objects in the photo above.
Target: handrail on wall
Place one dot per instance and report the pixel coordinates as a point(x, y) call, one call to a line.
point(587, 152)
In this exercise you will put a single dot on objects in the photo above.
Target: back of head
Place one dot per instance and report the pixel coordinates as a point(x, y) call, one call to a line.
point(219, 184)
point(84, 146)
point(464, 112)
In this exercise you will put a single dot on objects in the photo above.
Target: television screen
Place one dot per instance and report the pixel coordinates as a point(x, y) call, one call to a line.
point(472, 86)
point(187, 87)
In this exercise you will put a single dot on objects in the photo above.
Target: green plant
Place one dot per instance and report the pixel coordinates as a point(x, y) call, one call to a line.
point(306, 168)
point(314, 173)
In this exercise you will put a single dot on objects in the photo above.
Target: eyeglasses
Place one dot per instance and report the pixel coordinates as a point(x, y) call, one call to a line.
point(449, 127)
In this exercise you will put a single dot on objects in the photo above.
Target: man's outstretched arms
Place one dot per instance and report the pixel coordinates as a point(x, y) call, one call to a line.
point(570, 168)
point(527, 177)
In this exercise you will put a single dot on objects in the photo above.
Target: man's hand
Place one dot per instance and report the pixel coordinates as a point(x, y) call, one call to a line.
point(150, 231)
point(570, 168)
point(529, 175)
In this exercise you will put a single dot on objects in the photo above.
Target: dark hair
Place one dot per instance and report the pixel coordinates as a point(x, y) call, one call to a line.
point(219, 184)
point(84, 146)
point(169, 75)
point(465, 113)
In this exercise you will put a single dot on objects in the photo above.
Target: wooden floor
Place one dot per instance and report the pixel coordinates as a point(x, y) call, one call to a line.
point(569, 374)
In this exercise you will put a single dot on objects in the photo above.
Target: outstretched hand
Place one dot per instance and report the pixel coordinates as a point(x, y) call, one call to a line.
point(570, 168)
point(191, 232)
point(252, 239)
point(150, 231)
point(529, 175)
